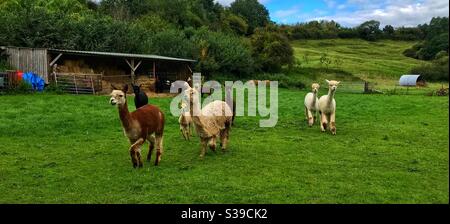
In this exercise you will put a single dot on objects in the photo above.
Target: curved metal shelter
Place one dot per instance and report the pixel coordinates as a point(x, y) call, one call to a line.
point(411, 80)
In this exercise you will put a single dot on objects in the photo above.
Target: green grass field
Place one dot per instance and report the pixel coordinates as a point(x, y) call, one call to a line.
point(71, 149)
point(381, 62)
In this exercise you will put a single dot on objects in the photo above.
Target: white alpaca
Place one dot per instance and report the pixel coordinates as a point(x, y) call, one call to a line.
point(327, 108)
point(312, 104)
point(186, 123)
point(213, 121)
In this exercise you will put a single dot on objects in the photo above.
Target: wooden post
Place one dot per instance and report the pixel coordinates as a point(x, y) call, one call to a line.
point(366, 87)
point(133, 68)
point(132, 71)
point(56, 79)
point(92, 85)
point(75, 82)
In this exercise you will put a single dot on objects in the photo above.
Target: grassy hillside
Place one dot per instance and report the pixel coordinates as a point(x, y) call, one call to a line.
point(71, 149)
point(381, 62)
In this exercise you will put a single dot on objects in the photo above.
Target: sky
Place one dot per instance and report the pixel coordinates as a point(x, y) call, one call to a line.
point(351, 13)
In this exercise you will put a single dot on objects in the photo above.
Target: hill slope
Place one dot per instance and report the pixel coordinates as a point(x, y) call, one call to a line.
point(381, 62)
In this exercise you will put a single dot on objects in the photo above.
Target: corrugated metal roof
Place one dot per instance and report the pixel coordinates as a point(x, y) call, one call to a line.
point(124, 55)
point(409, 80)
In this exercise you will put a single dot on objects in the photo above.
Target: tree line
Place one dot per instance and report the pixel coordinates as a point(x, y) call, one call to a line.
point(239, 39)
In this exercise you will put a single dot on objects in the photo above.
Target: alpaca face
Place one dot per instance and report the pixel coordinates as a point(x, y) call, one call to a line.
point(193, 95)
point(117, 98)
point(332, 85)
point(315, 87)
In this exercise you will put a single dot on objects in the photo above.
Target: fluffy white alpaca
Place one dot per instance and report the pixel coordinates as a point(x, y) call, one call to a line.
point(327, 108)
point(186, 123)
point(312, 104)
point(213, 121)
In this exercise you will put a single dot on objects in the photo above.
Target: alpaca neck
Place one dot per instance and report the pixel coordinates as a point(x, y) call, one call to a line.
point(196, 115)
point(125, 116)
point(314, 97)
point(331, 95)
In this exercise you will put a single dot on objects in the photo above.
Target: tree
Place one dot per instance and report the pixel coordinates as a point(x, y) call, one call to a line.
point(388, 31)
point(369, 30)
point(255, 14)
point(271, 49)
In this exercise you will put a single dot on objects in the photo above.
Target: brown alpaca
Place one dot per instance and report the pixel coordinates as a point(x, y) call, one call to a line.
point(144, 124)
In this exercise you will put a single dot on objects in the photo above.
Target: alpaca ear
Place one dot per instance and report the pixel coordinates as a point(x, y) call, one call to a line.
point(327, 81)
point(113, 87)
point(125, 88)
point(338, 82)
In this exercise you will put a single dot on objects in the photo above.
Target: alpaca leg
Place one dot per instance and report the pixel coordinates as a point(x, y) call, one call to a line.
point(204, 142)
point(310, 118)
point(135, 153)
point(212, 143)
point(224, 139)
point(188, 132)
point(333, 123)
point(323, 122)
point(306, 113)
point(151, 140)
point(159, 149)
point(183, 132)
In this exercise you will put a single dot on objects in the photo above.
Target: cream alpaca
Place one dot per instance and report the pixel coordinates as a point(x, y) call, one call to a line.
point(186, 123)
point(327, 108)
point(312, 104)
point(213, 121)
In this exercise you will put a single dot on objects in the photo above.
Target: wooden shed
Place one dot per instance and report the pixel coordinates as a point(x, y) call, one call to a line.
point(94, 72)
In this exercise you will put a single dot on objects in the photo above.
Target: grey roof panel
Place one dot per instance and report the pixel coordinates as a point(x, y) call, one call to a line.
point(409, 80)
point(124, 55)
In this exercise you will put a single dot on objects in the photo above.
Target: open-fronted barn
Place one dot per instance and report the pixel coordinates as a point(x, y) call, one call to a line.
point(89, 71)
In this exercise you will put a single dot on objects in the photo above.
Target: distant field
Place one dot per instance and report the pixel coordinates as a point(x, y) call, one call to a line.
point(71, 149)
point(381, 62)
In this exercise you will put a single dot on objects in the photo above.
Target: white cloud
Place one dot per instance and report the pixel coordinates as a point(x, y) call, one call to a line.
point(228, 2)
point(396, 13)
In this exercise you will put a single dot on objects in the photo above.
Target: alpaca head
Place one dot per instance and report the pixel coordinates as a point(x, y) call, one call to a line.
point(136, 89)
point(332, 85)
point(315, 87)
point(192, 95)
point(119, 96)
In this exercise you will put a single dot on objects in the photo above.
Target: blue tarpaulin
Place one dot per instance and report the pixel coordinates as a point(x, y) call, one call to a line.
point(34, 80)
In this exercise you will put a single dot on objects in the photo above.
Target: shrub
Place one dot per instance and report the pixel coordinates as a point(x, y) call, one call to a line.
point(219, 52)
point(410, 53)
point(437, 70)
point(271, 49)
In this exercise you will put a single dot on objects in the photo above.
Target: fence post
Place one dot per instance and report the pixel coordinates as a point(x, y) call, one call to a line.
point(366, 87)
point(92, 85)
point(75, 83)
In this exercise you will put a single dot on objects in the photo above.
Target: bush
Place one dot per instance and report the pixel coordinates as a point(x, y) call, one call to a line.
point(410, 53)
point(271, 49)
point(437, 70)
point(171, 43)
point(219, 52)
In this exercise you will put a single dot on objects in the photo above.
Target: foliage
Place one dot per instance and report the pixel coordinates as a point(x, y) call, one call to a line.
point(271, 49)
point(255, 14)
point(220, 52)
point(435, 71)
point(436, 40)
point(369, 30)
